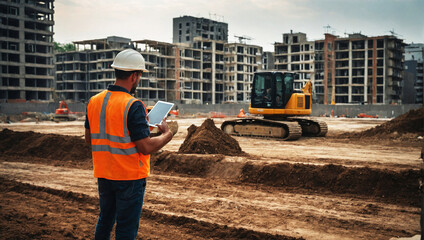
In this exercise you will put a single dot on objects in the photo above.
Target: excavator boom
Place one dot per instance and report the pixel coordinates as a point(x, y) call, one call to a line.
point(307, 89)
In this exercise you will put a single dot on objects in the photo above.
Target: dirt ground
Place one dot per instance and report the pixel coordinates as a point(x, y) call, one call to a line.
point(336, 187)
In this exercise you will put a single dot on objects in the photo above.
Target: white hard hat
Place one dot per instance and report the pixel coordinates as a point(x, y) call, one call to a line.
point(129, 60)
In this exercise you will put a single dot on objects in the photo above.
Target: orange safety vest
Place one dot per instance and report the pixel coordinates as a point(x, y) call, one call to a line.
point(115, 156)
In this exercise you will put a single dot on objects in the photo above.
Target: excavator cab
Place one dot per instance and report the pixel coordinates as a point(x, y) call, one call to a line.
point(271, 89)
point(273, 96)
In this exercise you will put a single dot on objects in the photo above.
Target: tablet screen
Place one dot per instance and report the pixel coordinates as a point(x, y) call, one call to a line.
point(158, 112)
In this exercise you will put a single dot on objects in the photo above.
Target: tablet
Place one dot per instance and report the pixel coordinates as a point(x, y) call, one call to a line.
point(159, 112)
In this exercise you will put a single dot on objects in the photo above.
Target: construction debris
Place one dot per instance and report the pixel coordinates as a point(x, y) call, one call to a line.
point(363, 115)
point(216, 115)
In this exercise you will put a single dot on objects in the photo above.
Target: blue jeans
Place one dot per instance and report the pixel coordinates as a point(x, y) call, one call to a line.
point(120, 201)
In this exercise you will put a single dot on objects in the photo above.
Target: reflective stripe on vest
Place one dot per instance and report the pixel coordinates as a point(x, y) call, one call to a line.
point(102, 135)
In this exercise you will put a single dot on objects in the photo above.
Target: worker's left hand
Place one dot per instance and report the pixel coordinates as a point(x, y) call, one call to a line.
point(163, 127)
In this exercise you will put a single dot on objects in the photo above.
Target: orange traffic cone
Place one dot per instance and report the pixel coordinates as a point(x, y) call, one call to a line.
point(241, 114)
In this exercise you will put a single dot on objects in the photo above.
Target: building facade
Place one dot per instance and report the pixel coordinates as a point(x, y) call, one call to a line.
point(414, 54)
point(87, 71)
point(359, 69)
point(409, 94)
point(200, 66)
point(160, 83)
point(295, 54)
point(354, 69)
point(186, 28)
point(420, 86)
point(82, 73)
point(26, 47)
point(268, 62)
point(204, 72)
point(189, 74)
point(241, 62)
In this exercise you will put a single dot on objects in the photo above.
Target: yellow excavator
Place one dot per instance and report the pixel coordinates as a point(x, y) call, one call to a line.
point(283, 109)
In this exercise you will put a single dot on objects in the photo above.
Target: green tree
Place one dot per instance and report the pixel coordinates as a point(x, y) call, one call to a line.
point(60, 47)
point(69, 47)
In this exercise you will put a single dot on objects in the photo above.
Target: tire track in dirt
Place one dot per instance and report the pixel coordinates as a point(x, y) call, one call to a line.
point(255, 208)
point(33, 212)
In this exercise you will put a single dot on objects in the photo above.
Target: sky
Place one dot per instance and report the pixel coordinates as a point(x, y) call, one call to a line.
point(263, 21)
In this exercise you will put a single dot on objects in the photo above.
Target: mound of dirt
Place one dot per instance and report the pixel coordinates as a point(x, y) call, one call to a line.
point(400, 187)
point(50, 146)
point(190, 164)
point(411, 122)
point(208, 139)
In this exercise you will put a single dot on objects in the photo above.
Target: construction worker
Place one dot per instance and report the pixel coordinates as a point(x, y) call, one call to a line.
point(119, 134)
point(267, 95)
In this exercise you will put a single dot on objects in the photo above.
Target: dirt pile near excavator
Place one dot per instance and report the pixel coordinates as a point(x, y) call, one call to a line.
point(208, 139)
point(408, 124)
point(47, 146)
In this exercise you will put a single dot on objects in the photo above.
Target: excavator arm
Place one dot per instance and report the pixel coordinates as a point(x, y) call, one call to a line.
point(308, 87)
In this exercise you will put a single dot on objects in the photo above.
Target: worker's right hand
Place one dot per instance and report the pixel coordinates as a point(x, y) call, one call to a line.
point(163, 127)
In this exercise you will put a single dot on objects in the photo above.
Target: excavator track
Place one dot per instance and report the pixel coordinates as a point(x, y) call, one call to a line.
point(63, 118)
point(257, 127)
point(312, 128)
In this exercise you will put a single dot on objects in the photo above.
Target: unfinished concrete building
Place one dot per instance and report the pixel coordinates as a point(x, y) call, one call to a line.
point(82, 73)
point(190, 84)
point(295, 54)
point(414, 54)
point(359, 69)
point(212, 72)
point(186, 28)
point(355, 69)
point(87, 71)
point(241, 61)
point(268, 61)
point(26, 47)
point(160, 83)
point(203, 72)
point(420, 84)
